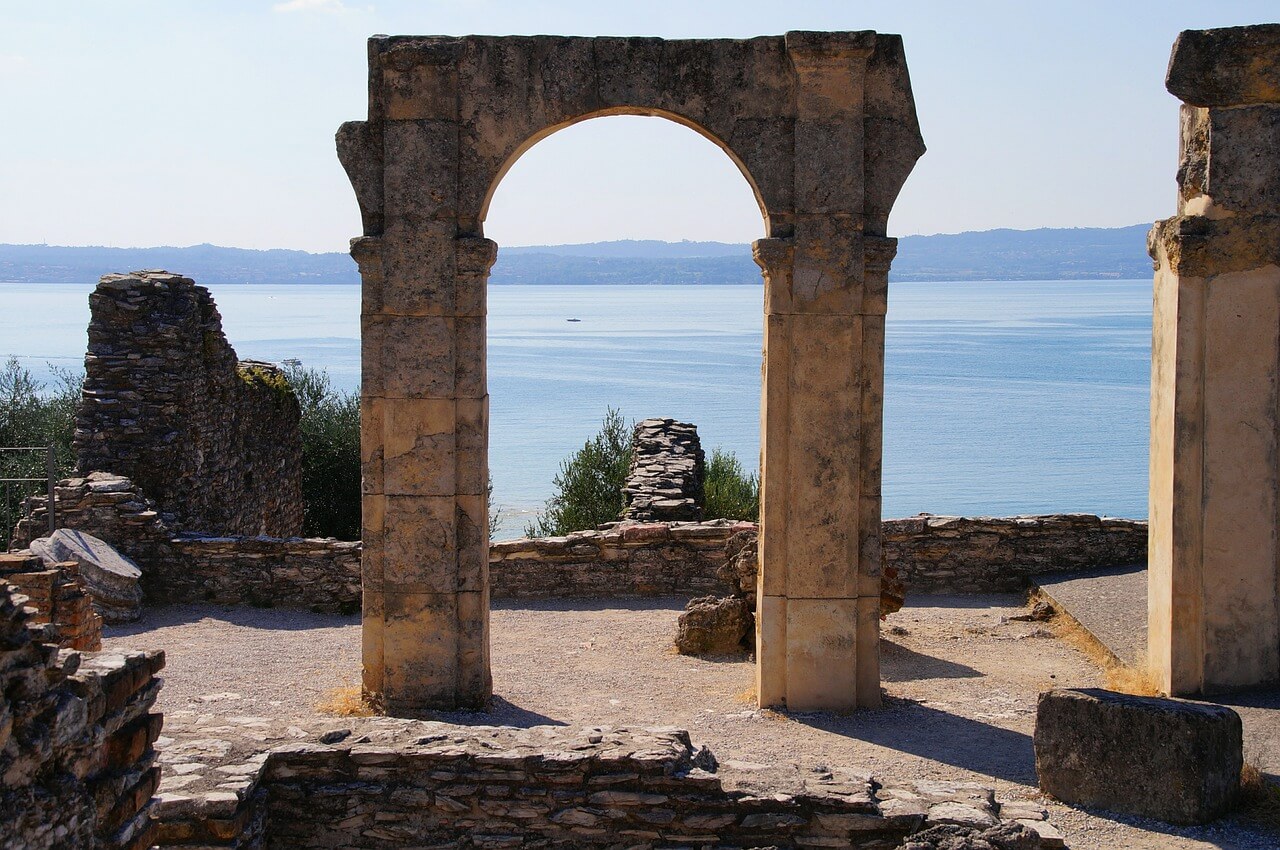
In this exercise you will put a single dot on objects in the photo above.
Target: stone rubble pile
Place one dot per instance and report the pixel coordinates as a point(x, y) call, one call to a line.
point(667, 474)
point(112, 580)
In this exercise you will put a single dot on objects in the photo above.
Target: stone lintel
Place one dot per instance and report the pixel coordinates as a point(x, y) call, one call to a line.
point(1232, 66)
point(808, 47)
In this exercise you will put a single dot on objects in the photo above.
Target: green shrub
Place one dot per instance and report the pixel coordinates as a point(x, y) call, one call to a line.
point(330, 427)
point(588, 488)
point(729, 492)
point(32, 414)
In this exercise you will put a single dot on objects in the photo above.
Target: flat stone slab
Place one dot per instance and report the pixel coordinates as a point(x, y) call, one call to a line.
point(111, 578)
point(1168, 759)
point(1109, 603)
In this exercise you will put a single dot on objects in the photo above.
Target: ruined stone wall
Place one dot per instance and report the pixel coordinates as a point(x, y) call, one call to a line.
point(545, 786)
point(630, 559)
point(214, 442)
point(931, 554)
point(999, 554)
point(77, 766)
point(57, 597)
point(320, 574)
point(668, 470)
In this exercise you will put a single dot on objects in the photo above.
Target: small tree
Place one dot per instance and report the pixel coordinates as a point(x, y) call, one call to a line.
point(588, 488)
point(330, 426)
point(728, 491)
point(34, 415)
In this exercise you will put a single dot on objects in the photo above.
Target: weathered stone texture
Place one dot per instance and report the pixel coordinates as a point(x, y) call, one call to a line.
point(112, 580)
point(822, 125)
point(320, 574)
point(165, 403)
point(56, 597)
point(1215, 413)
point(77, 767)
point(712, 625)
point(1161, 758)
point(947, 554)
point(505, 787)
point(668, 470)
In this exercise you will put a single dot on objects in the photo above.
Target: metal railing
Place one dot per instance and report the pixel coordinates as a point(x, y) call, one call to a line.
point(49, 479)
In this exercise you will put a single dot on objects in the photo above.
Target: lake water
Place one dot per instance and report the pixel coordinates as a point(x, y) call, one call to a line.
point(1000, 398)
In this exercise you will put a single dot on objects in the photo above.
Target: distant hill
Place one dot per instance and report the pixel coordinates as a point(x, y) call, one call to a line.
point(1046, 254)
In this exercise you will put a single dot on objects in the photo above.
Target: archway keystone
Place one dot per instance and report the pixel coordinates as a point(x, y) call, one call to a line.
point(823, 126)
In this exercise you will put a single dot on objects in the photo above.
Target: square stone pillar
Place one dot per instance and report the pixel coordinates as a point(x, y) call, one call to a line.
point(819, 587)
point(1214, 556)
point(424, 408)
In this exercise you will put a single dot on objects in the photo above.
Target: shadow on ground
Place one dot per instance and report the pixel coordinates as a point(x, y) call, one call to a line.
point(911, 727)
point(900, 664)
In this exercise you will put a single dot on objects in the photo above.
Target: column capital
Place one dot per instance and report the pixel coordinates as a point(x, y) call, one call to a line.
point(878, 253)
point(476, 255)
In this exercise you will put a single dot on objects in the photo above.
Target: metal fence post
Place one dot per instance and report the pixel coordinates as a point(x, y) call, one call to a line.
point(52, 470)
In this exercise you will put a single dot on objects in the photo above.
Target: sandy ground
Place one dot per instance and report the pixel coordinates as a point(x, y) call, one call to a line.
point(961, 682)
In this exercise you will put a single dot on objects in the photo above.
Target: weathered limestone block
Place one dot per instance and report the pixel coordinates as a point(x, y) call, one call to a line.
point(113, 580)
point(1215, 385)
point(713, 625)
point(1161, 758)
point(57, 596)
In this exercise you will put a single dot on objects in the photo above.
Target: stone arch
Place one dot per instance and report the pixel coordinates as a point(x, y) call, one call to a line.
point(824, 127)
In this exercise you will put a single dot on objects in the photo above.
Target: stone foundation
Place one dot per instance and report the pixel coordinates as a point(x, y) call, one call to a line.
point(76, 731)
point(416, 784)
point(215, 442)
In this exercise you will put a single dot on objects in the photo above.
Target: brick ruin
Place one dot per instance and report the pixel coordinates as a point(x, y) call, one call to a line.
point(212, 440)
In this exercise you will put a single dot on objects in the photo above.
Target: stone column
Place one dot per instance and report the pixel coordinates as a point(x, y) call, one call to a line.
point(818, 594)
point(1214, 579)
point(424, 417)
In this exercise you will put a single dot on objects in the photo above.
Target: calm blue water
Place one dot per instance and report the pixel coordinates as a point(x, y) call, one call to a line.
point(1000, 398)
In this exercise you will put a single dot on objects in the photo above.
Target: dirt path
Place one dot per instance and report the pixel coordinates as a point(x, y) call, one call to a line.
point(961, 681)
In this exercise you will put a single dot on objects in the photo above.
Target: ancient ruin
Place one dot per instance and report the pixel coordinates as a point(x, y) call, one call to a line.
point(823, 127)
point(1214, 576)
point(214, 441)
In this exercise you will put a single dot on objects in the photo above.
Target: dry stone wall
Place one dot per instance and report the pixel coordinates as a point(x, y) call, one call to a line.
point(668, 470)
point(77, 766)
point(213, 441)
point(999, 554)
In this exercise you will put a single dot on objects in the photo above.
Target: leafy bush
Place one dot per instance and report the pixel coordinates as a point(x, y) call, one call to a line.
point(32, 414)
point(729, 492)
point(588, 488)
point(330, 427)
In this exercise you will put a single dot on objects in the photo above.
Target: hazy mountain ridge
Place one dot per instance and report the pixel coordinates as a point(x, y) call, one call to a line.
point(1044, 254)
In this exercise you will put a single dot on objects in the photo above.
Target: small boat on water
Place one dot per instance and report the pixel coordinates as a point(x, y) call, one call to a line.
point(573, 320)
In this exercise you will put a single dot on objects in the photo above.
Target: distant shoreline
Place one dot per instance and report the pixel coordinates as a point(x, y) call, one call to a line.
point(988, 256)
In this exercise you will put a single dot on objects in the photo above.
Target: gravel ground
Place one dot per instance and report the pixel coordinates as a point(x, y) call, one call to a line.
point(961, 682)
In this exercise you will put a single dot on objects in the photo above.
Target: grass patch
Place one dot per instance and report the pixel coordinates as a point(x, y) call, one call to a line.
point(348, 701)
point(1117, 676)
point(1259, 799)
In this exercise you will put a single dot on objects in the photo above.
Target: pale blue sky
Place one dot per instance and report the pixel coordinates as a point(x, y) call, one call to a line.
point(147, 122)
